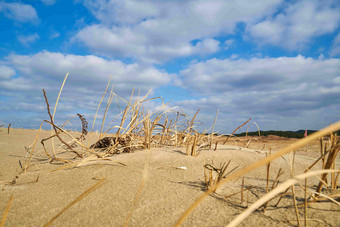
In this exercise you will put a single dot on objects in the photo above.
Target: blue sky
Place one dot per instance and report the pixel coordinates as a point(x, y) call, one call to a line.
point(273, 60)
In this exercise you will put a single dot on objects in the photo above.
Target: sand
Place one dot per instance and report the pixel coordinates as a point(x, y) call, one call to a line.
point(174, 181)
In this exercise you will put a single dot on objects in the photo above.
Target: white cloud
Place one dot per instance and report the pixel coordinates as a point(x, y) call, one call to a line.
point(167, 29)
point(337, 40)
point(258, 73)
point(19, 12)
point(297, 24)
point(335, 49)
point(17, 84)
point(6, 72)
point(268, 31)
point(206, 46)
point(45, 69)
point(29, 39)
point(273, 88)
point(228, 43)
point(123, 42)
point(234, 56)
point(54, 35)
point(86, 70)
point(83, 89)
point(270, 112)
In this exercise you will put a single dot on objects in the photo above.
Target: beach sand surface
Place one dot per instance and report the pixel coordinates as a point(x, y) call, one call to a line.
point(173, 181)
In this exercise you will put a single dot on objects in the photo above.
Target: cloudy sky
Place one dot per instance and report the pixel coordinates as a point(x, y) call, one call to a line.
point(273, 60)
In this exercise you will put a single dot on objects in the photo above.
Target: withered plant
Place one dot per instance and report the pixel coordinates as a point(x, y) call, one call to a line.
point(213, 175)
point(328, 157)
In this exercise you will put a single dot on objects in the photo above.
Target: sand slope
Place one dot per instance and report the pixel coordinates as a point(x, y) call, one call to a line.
point(167, 193)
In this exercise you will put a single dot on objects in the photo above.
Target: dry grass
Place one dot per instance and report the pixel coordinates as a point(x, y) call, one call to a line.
point(329, 162)
point(274, 193)
point(8, 207)
point(213, 175)
point(135, 128)
point(8, 126)
point(257, 164)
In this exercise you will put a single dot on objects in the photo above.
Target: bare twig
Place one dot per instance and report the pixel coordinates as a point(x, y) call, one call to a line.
point(55, 129)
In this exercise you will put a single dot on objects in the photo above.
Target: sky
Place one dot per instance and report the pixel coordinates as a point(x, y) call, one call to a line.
point(275, 61)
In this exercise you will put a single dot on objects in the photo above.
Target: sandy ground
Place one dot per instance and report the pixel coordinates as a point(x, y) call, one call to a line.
point(167, 193)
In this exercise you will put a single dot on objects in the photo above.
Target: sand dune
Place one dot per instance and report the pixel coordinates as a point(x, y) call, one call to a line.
point(174, 181)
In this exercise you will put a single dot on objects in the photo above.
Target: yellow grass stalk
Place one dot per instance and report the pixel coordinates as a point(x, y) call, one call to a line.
point(65, 167)
point(242, 186)
point(267, 188)
point(194, 144)
point(4, 217)
point(306, 202)
point(257, 164)
point(109, 127)
point(27, 163)
point(83, 195)
point(329, 198)
point(295, 206)
point(212, 130)
point(236, 130)
point(273, 193)
point(123, 118)
point(109, 100)
point(134, 123)
point(241, 191)
point(55, 108)
point(330, 163)
point(292, 161)
point(191, 123)
point(125, 113)
point(100, 102)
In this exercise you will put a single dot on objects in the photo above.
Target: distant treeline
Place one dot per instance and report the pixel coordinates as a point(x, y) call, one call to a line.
point(287, 134)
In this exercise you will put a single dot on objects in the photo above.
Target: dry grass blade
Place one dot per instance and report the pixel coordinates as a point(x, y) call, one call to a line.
point(257, 164)
point(273, 193)
point(330, 163)
point(4, 217)
point(212, 130)
point(329, 198)
point(267, 188)
point(123, 119)
point(306, 202)
point(100, 102)
point(213, 175)
point(295, 205)
point(55, 108)
point(9, 125)
point(276, 181)
point(27, 162)
point(83, 162)
point(105, 112)
point(83, 195)
point(236, 130)
point(242, 189)
point(191, 123)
